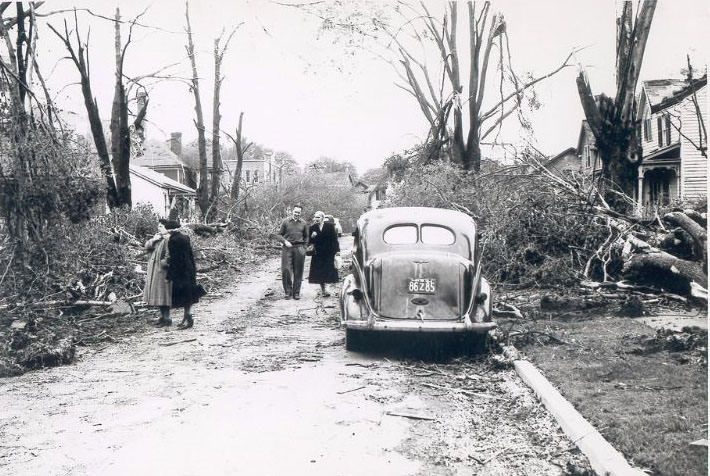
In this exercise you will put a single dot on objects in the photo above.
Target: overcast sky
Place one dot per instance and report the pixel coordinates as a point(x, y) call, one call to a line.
point(305, 93)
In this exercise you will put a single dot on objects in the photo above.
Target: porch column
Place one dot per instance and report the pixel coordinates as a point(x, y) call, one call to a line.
point(639, 199)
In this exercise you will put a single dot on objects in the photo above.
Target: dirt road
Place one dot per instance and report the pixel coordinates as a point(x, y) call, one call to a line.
point(261, 386)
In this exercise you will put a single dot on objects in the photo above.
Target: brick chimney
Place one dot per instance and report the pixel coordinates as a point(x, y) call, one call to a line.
point(176, 143)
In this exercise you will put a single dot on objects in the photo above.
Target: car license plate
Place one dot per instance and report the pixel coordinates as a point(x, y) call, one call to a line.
point(421, 286)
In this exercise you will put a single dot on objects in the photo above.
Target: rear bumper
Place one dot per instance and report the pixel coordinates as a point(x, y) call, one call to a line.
point(421, 326)
point(356, 314)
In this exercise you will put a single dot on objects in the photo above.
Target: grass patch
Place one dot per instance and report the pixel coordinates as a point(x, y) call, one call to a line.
point(644, 393)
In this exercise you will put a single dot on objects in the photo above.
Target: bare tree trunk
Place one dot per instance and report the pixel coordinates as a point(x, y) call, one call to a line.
point(203, 199)
point(465, 144)
point(138, 123)
point(92, 111)
point(216, 117)
point(613, 121)
point(120, 134)
point(240, 160)
point(17, 90)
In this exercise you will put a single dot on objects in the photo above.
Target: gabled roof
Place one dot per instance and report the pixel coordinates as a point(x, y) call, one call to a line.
point(663, 93)
point(160, 179)
point(357, 183)
point(158, 154)
point(564, 153)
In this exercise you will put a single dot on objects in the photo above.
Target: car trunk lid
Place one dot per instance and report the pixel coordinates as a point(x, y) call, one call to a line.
point(415, 285)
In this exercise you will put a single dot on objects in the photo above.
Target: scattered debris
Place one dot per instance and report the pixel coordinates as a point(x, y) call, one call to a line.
point(411, 416)
point(166, 344)
point(690, 340)
point(351, 390)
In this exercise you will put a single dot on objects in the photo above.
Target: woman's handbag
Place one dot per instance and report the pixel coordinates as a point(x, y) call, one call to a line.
point(310, 250)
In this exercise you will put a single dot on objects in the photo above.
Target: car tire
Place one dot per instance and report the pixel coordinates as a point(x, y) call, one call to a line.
point(354, 339)
point(476, 343)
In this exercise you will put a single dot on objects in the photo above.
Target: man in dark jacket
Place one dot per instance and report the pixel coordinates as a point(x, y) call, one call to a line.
point(294, 236)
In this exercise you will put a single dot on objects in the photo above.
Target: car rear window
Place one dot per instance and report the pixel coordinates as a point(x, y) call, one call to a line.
point(437, 235)
point(400, 235)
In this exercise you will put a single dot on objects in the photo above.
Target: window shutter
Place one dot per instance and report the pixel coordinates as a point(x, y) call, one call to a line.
point(660, 131)
point(668, 129)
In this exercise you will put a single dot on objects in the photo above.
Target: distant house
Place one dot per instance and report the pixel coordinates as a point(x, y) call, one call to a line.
point(375, 193)
point(166, 159)
point(673, 167)
point(161, 192)
point(264, 167)
point(564, 163)
point(358, 184)
point(182, 165)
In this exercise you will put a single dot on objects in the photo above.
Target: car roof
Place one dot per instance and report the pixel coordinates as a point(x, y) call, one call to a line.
point(372, 225)
point(385, 217)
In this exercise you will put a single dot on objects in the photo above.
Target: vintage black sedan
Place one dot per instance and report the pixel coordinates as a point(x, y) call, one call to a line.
point(415, 269)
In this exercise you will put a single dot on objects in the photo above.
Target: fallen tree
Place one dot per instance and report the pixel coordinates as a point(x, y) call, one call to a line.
point(641, 262)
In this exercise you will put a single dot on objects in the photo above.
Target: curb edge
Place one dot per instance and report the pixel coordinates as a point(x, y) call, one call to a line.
point(602, 456)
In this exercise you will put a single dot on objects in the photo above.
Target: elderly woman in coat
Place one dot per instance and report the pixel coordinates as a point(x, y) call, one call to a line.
point(171, 280)
point(324, 238)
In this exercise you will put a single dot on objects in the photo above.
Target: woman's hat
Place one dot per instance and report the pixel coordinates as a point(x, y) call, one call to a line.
point(169, 224)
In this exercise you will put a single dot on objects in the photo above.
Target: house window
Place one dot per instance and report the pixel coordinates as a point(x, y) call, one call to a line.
point(256, 176)
point(247, 176)
point(647, 132)
point(588, 156)
point(664, 130)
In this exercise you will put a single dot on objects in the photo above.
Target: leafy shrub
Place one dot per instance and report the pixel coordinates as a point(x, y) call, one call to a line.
point(71, 253)
point(267, 205)
point(141, 221)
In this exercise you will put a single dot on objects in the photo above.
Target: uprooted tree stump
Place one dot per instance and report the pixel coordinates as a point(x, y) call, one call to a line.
point(661, 269)
point(648, 265)
point(695, 230)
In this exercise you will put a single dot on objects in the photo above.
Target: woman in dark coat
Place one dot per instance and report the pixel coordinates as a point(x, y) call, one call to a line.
point(182, 273)
point(324, 238)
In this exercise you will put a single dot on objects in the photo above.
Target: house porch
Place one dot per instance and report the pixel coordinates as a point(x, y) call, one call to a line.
point(658, 181)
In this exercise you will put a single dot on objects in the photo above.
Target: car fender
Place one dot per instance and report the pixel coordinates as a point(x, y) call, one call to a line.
point(482, 306)
point(347, 301)
point(350, 307)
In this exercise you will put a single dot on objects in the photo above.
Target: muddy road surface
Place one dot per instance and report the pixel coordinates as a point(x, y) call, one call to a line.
point(263, 385)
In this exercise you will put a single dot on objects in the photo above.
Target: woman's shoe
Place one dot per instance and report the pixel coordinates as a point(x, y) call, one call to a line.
point(164, 322)
point(186, 323)
point(326, 294)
